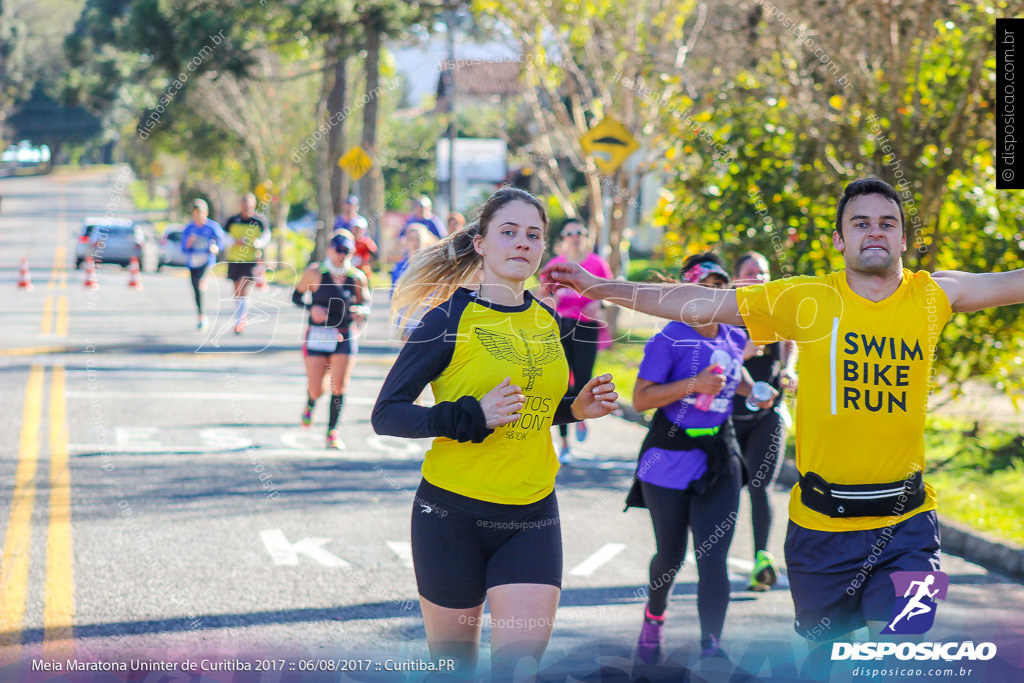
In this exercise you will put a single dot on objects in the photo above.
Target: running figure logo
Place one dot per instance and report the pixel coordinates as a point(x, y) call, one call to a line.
point(530, 358)
point(914, 612)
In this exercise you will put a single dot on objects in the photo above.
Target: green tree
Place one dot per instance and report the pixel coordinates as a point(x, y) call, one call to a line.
point(583, 60)
point(807, 108)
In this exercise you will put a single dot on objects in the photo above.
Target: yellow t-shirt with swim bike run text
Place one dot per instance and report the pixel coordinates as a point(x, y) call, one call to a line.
point(865, 371)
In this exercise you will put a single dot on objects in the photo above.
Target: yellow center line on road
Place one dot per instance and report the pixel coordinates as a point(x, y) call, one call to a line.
point(59, 597)
point(46, 326)
point(14, 561)
point(62, 266)
point(59, 271)
point(35, 350)
point(61, 328)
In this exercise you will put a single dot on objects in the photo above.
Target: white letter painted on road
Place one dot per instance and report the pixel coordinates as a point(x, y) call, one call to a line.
point(285, 553)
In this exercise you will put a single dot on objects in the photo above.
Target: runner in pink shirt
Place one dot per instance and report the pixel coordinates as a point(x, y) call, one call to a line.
point(580, 320)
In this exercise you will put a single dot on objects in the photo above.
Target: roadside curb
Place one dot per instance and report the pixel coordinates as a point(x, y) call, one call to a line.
point(957, 538)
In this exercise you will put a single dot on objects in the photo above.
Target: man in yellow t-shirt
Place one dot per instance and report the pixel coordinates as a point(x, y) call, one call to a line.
point(867, 335)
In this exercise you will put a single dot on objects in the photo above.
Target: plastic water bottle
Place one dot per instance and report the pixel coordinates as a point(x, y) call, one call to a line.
point(759, 393)
point(719, 361)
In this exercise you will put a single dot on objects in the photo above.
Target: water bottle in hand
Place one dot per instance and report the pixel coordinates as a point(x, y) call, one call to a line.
point(719, 360)
point(759, 393)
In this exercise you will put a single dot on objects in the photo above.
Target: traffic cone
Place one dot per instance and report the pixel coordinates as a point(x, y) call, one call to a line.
point(24, 280)
point(91, 282)
point(133, 274)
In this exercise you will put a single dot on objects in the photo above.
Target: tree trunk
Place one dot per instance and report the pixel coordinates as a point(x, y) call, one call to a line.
point(336, 137)
point(281, 221)
point(373, 186)
point(323, 168)
point(617, 221)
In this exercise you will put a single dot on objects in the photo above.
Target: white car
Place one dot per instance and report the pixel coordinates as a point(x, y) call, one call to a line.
point(170, 249)
point(306, 224)
point(109, 240)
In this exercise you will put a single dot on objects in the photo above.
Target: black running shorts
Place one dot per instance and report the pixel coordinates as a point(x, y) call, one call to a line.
point(462, 547)
point(238, 270)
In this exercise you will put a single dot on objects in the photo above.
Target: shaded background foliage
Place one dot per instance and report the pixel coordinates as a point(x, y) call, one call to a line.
point(751, 117)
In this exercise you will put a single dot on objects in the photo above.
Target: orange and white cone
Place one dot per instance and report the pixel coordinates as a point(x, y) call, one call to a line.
point(91, 282)
point(133, 274)
point(24, 279)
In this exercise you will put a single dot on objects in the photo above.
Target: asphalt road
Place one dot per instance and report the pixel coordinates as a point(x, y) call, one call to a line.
point(161, 502)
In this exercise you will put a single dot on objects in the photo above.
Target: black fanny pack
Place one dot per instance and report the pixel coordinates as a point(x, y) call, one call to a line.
point(718, 444)
point(862, 500)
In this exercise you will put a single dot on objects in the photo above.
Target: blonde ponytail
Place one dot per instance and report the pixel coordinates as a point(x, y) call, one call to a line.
point(434, 274)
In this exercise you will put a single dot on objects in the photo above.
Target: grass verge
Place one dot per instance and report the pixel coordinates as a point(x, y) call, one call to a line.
point(978, 474)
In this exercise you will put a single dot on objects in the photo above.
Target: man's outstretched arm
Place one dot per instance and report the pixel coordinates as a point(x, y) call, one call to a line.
point(974, 291)
point(691, 304)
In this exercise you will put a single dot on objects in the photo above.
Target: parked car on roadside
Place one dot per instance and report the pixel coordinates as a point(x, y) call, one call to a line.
point(170, 249)
point(306, 224)
point(111, 240)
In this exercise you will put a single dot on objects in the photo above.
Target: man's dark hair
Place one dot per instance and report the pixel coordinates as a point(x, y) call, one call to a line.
point(862, 187)
point(708, 257)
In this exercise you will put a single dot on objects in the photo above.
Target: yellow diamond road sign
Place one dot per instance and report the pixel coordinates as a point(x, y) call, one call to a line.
point(356, 162)
point(610, 143)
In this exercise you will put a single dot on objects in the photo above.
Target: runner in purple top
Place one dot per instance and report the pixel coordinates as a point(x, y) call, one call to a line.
point(679, 352)
point(690, 471)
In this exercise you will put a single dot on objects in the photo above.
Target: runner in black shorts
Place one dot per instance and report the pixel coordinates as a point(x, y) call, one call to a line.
point(485, 520)
point(339, 298)
point(249, 234)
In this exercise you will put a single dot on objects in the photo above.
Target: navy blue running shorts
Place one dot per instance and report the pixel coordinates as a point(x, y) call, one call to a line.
point(840, 580)
point(462, 547)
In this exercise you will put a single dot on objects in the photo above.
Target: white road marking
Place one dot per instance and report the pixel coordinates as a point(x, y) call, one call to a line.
point(285, 553)
point(394, 445)
point(225, 438)
point(404, 551)
point(136, 438)
point(79, 448)
point(306, 440)
point(208, 396)
point(597, 464)
point(595, 561)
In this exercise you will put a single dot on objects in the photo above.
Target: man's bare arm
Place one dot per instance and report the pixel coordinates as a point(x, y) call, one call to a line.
point(690, 304)
point(974, 291)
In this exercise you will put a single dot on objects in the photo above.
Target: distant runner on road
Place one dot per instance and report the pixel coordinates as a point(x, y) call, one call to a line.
point(339, 303)
point(201, 241)
point(249, 233)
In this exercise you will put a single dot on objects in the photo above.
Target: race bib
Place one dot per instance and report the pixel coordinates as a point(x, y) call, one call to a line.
point(322, 339)
point(198, 260)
